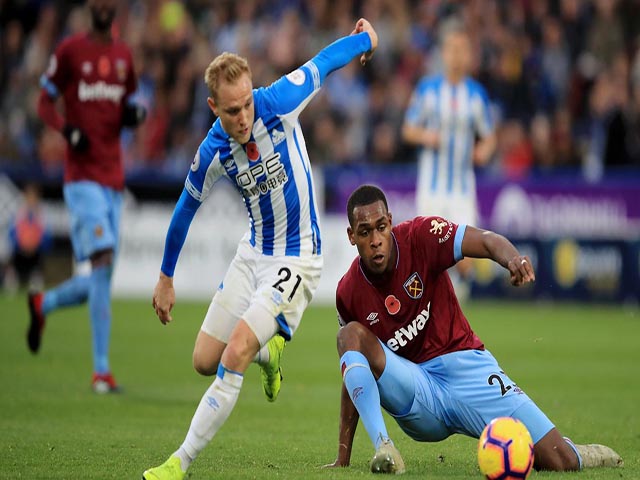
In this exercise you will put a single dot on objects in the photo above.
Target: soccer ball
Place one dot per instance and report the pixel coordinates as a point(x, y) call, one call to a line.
point(505, 450)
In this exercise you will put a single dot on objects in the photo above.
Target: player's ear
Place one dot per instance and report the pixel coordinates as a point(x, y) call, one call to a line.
point(390, 218)
point(352, 239)
point(212, 106)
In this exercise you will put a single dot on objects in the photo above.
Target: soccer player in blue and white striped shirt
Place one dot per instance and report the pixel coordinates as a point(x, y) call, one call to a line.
point(257, 144)
point(447, 113)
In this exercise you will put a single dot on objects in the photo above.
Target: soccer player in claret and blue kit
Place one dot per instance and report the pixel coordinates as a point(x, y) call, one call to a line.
point(93, 75)
point(406, 346)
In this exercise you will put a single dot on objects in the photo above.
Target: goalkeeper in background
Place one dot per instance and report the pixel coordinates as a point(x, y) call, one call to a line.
point(92, 73)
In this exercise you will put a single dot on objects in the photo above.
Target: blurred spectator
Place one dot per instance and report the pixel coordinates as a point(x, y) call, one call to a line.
point(514, 150)
point(555, 58)
point(543, 155)
point(605, 37)
point(30, 238)
point(623, 136)
point(562, 138)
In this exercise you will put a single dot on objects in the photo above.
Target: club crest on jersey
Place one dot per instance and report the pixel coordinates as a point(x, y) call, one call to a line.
point(392, 304)
point(438, 226)
point(414, 286)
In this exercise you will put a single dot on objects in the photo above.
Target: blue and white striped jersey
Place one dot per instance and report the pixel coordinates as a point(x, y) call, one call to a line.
point(459, 113)
point(272, 171)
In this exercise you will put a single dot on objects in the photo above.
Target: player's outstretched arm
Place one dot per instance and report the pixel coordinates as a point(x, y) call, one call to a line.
point(478, 243)
point(164, 296)
point(348, 422)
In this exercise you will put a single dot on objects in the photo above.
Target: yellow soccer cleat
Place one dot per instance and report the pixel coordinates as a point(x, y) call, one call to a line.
point(271, 372)
point(387, 459)
point(169, 470)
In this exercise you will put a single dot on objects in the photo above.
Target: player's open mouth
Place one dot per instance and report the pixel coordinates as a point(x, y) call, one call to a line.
point(378, 259)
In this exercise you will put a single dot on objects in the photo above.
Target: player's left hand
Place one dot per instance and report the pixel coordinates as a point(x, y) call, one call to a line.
point(363, 25)
point(164, 297)
point(521, 270)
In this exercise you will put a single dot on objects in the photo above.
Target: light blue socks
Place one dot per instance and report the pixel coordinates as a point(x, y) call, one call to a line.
point(363, 391)
point(72, 292)
point(100, 314)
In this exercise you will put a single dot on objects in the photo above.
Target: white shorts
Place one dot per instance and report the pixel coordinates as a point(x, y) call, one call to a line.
point(457, 208)
point(269, 293)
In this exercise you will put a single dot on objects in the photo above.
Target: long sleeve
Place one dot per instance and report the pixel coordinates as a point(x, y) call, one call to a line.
point(48, 112)
point(340, 52)
point(183, 214)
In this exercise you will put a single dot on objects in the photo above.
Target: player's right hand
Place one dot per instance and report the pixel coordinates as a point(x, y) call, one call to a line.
point(77, 139)
point(164, 297)
point(521, 270)
point(363, 25)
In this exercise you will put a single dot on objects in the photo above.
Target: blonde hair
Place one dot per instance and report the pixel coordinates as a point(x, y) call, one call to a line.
point(227, 67)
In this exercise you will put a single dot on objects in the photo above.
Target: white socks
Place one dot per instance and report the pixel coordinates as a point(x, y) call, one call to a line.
point(213, 410)
point(263, 356)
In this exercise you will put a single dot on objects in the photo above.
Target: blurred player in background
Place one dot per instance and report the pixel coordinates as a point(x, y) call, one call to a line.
point(447, 113)
point(405, 345)
point(93, 74)
point(257, 143)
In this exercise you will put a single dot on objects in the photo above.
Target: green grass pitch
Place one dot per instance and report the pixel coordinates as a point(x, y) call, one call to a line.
point(581, 364)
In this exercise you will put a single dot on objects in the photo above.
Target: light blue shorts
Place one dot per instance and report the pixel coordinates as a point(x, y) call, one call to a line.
point(460, 392)
point(94, 216)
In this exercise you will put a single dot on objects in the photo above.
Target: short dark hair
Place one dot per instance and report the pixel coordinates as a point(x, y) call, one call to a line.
point(364, 195)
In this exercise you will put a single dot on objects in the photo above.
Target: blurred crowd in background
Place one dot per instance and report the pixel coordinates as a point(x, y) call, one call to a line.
point(563, 76)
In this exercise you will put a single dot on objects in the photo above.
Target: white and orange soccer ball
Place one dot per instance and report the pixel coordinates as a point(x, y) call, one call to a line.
point(505, 450)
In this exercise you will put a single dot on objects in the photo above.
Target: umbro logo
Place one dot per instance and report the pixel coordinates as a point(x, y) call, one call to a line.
point(213, 403)
point(373, 318)
point(277, 136)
